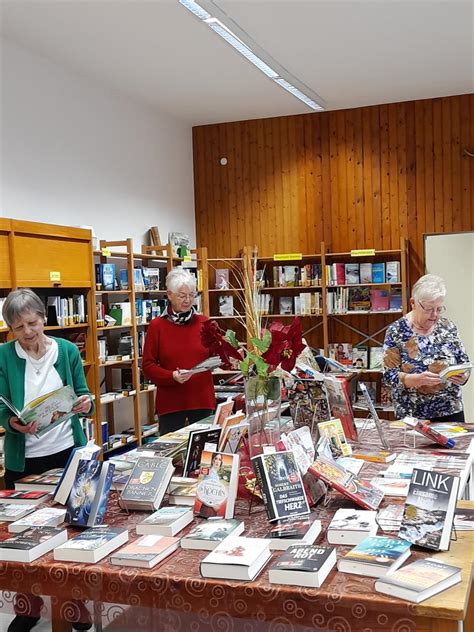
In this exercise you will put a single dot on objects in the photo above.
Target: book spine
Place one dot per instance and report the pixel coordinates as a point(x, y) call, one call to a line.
point(262, 483)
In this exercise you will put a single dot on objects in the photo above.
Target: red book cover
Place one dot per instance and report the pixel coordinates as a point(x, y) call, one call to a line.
point(340, 274)
point(379, 300)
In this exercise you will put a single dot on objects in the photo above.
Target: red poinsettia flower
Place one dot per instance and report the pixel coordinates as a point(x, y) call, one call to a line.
point(287, 344)
point(213, 339)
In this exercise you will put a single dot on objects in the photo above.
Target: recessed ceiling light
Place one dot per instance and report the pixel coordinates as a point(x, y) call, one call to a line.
point(248, 50)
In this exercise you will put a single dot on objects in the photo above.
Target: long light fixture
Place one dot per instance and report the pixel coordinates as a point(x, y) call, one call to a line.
point(271, 69)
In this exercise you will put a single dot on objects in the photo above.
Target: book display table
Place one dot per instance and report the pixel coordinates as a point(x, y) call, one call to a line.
point(173, 597)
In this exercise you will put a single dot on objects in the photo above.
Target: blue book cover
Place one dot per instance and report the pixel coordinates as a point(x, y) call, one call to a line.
point(396, 299)
point(100, 505)
point(108, 276)
point(83, 493)
point(378, 550)
point(378, 272)
point(123, 279)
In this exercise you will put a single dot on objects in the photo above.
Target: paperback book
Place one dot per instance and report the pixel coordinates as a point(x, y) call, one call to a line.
point(390, 517)
point(375, 556)
point(303, 566)
point(15, 497)
point(146, 552)
point(31, 544)
point(429, 509)
point(351, 526)
point(208, 534)
point(91, 545)
point(419, 580)
point(281, 486)
point(46, 482)
point(196, 443)
point(88, 498)
point(391, 486)
point(284, 533)
point(216, 490)
point(64, 486)
point(148, 483)
point(46, 517)
point(46, 411)
point(166, 521)
point(10, 513)
point(182, 491)
point(237, 558)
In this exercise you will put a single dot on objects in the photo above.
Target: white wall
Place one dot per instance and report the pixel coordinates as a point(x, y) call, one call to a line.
point(73, 152)
point(451, 256)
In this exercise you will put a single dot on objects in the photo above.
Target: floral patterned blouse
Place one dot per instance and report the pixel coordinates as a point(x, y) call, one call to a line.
point(409, 352)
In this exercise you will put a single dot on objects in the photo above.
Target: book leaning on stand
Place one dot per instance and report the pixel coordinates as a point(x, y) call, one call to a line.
point(148, 483)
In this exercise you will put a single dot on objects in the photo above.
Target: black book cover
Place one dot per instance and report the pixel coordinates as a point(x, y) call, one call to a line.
point(30, 539)
point(196, 442)
point(303, 558)
point(291, 527)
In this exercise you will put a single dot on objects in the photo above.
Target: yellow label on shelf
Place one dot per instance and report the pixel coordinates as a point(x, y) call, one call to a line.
point(55, 276)
point(368, 252)
point(290, 256)
point(106, 252)
point(187, 258)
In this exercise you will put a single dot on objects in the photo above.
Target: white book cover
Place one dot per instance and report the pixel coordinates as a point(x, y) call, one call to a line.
point(238, 550)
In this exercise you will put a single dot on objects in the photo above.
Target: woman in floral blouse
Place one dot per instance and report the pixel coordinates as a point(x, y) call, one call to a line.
point(417, 347)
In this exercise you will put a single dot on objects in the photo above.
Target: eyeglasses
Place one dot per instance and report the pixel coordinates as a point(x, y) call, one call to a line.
point(433, 310)
point(183, 297)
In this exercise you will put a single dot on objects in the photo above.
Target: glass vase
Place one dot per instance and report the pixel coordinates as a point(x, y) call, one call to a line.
point(263, 404)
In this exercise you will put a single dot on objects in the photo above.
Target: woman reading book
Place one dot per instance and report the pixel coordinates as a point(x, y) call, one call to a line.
point(417, 348)
point(172, 345)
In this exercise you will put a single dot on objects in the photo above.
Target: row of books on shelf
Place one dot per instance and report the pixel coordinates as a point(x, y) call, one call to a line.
point(290, 276)
point(65, 311)
point(363, 299)
point(360, 273)
point(304, 304)
point(145, 279)
point(356, 356)
point(120, 313)
point(122, 349)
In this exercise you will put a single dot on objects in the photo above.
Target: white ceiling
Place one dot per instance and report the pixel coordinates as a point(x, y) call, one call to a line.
point(356, 53)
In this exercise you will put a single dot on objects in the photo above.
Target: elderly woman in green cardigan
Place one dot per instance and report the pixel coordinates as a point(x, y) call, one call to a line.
point(32, 365)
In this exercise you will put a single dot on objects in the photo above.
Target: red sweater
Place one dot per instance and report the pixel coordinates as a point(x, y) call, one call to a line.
point(169, 347)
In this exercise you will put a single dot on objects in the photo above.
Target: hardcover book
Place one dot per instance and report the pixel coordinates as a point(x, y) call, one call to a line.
point(166, 521)
point(90, 490)
point(303, 566)
point(31, 544)
point(46, 517)
point(396, 299)
point(196, 442)
point(419, 580)
point(301, 530)
point(216, 490)
point(352, 271)
point(226, 305)
point(393, 272)
point(339, 403)
point(91, 545)
point(46, 482)
point(46, 411)
point(366, 273)
point(146, 552)
point(280, 483)
point(351, 526)
point(359, 299)
point(378, 272)
point(23, 497)
point(208, 534)
point(148, 483)
point(334, 432)
point(236, 558)
point(375, 556)
point(429, 509)
point(379, 300)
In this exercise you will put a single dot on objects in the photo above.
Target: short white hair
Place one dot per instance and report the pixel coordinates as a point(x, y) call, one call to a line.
point(178, 278)
point(429, 287)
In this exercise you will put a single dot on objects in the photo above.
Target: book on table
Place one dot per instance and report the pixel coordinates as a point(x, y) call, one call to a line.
point(337, 391)
point(374, 456)
point(375, 556)
point(390, 517)
point(306, 566)
point(46, 482)
point(91, 545)
point(463, 519)
point(88, 498)
point(351, 526)
point(391, 486)
point(223, 410)
point(14, 497)
point(419, 580)
point(148, 483)
point(216, 490)
point(236, 557)
point(182, 491)
point(281, 485)
point(166, 521)
point(208, 534)
point(64, 486)
point(31, 544)
point(196, 443)
point(334, 432)
point(429, 509)
point(47, 411)
point(295, 530)
point(46, 517)
point(12, 512)
point(146, 552)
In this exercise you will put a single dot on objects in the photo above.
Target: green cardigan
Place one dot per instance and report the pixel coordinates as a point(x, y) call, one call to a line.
point(12, 386)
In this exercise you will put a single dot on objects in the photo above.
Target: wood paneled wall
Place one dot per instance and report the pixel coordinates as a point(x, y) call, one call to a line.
point(355, 178)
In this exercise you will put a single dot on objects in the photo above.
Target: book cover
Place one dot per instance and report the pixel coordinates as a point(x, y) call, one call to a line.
point(31, 544)
point(222, 279)
point(166, 520)
point(337, 391)
point(217, 485)
point(280, 483)
point(463, 519)
point(196, 442)
point(286, 304)
point(83, 493)
point(10, 513)
point(308, 559)
point(375, 357)
point(396, 299)
point(148, 482)
point(236, 558)
point(123, 279)
point(393, 272)
point(226, 305)
point(354, 520)
point(207, 534)
point(23, 497)
point(429, 509)
point(291, 276)
point(359, 299)
point(45, 482)
point(91, 545)
point(391, 486)
point(379, 300)
point(360, 359)
point(454, 370)
point(46, 517)
point(378, 550)
point(146, 551)
point(352, 273)
point(294, 530)
point(223, 410)
point(366, 273)
point(334, 432)
point(341, 352)
point(108, 276)
point(378, 272)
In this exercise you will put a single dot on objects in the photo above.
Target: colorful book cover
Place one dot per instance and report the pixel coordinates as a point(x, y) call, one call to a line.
point(421, 575)
point(237, 550)
point(292, 528)
point(165, 516)
point(217, 485)
point(148, 480)
point(359, 299)
point(213, 530)
point(339, 402)
point(307, 559)
point(360, 357)
point(379, 300)
point(92, 539)
point(352, 271)
point(83, 492)
point(378, 272)
point(378, 550)
point(334, 432)
point(147, 548)
point(197, 441)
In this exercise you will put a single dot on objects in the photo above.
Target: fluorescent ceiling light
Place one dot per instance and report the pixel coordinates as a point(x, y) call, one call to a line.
point(276, 73)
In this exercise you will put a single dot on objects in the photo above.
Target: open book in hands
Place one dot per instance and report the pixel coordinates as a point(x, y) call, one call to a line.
point(209, 364)
point(48, 410)
point(455, 370)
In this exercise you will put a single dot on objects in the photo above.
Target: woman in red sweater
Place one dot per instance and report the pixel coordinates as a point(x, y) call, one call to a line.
point(173, 343)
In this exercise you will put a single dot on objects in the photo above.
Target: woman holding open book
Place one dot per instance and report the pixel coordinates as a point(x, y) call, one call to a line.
point(33, 365)
point(172, 347)
point(417, 348)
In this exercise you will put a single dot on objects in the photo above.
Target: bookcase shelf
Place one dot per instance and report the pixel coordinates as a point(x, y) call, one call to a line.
point(114, 327)
point(64, 327)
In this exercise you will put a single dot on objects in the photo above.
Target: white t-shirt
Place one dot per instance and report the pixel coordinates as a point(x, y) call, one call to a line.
point(41, 377)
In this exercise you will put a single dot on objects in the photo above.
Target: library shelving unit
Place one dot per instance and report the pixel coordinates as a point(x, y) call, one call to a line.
point(54, 261)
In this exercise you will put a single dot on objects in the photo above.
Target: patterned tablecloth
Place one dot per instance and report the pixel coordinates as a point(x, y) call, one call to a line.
point(182, 600)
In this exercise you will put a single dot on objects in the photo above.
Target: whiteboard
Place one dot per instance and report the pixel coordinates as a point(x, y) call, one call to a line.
point(451, 256)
